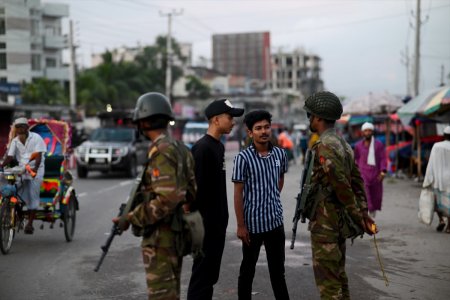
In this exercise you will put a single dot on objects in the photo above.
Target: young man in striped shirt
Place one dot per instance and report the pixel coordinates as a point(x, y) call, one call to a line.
point(258, 177)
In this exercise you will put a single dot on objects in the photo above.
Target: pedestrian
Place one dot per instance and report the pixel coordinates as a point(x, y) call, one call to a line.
point(23, 147)
point(168, 182)
point(437, 177)
point(336, 205)
point(258, 176)
point(370, 156)
point(285, 142)
point(211, 199)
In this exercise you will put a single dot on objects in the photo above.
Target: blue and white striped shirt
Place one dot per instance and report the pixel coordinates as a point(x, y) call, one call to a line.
point(261, 175)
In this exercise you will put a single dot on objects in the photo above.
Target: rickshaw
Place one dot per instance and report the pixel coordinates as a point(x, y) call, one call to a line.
point(58, 199)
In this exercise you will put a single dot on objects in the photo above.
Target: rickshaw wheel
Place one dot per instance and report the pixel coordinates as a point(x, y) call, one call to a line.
point(7, 229)
point(69, 219)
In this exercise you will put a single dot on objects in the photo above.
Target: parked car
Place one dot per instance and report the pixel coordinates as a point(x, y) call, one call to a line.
point(193, 131)
point(112, 149)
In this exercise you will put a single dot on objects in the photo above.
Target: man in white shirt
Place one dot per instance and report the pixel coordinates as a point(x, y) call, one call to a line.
point(437, 177)
point(22, 147)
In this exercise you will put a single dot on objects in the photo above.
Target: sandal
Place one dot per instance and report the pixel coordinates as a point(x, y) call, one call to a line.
point(447, 230)
point(29, 229)
point(441, 226)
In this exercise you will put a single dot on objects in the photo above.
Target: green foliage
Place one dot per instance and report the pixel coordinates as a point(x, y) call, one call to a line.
point(196, 88)
point(120, 83)
point(44, 91)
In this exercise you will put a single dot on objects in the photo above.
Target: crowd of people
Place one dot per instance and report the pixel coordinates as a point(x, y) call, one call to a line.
point(258, 178)
point(346, 192)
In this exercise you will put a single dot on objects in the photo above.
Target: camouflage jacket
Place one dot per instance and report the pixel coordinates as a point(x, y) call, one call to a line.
point(336, 180)
point(169, 178)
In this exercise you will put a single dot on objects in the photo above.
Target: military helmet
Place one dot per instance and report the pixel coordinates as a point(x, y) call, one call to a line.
point(152, 104)
point(324, 105)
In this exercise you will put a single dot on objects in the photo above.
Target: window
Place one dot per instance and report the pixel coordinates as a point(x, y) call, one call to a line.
point(2, 61)
point(2, 45)
point(34, 12)
point(2, 26)
point(35, 62)
point(50, 31)
point(289, 61)
point(50, 63)
point(35, 27)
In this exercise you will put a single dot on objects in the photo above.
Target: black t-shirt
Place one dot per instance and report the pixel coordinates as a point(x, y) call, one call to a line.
point(211, 200)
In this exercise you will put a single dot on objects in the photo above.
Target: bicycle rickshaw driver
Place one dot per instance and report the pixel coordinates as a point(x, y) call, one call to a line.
point(24, 144)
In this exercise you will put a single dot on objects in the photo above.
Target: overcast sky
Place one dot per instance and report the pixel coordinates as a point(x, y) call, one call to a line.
point(360, 41)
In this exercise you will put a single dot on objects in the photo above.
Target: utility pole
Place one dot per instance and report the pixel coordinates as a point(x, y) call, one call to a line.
point(73, 96)
point(169, 16)
point(417, 49)
point(442, 75)
point(405, 62)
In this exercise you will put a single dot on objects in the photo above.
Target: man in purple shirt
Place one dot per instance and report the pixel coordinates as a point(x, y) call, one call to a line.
point(370, 157)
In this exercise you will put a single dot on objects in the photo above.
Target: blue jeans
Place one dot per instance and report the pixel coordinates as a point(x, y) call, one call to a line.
point(274, 243)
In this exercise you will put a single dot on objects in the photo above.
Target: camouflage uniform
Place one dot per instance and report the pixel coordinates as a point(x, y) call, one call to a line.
point(169, 180)
point(336, 187)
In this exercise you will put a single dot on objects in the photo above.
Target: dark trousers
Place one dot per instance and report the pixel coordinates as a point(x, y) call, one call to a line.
point(274, 243)
point(205, 270)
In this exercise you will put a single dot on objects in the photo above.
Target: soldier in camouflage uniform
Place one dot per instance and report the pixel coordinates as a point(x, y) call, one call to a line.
point(169, 181)
point(337, 203)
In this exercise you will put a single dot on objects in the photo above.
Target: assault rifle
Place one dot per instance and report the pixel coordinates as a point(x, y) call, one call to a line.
point(118, 228)
point(115, 230)
point(305, 186)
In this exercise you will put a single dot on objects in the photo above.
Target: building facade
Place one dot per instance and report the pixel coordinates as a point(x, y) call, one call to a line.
point(244, 54)
point(31, 41)
point(296, 71)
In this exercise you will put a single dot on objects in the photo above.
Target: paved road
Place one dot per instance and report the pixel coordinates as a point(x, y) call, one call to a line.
point(44, 266)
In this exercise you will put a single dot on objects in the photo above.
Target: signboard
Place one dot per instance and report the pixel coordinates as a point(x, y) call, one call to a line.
point(10, 88)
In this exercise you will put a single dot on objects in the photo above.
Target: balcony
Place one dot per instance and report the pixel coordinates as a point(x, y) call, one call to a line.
point(57, 73)
point(54, 10)
point(54, 42)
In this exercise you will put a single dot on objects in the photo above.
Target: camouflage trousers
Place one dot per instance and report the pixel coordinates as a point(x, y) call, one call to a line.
point(329, 268)
point(163, 272)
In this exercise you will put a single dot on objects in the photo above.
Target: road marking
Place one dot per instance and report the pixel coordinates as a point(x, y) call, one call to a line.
point(123, 183)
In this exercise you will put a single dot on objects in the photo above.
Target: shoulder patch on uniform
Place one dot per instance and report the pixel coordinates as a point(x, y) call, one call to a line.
point(155, 172)
point(322, 160)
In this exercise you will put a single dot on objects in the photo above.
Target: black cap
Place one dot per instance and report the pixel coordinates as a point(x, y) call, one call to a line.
point(221, 106)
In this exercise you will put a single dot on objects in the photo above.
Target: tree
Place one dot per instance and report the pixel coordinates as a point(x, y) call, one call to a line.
point(196, 88)
point(120, 83)
point(44, 91)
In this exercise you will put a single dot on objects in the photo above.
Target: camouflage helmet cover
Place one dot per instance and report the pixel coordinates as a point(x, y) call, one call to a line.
point(324, 105)
point(152, 104)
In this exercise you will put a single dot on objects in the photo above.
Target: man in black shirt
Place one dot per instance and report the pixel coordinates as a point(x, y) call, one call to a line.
point(211, 200)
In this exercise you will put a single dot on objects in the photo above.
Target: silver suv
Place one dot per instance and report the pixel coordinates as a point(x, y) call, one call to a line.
point(111, 149)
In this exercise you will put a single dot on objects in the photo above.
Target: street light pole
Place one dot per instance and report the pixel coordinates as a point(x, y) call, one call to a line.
point(417, 51)
point(73, 96)
point(169, 16)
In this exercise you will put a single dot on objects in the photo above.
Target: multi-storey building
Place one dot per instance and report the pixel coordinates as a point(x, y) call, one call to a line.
point(31, 41)
point(245, 54)
point(296, 71)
